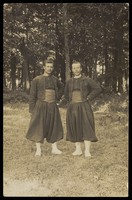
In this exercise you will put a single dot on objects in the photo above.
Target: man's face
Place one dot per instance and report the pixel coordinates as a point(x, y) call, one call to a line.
point(48, 68)
point(76, 69)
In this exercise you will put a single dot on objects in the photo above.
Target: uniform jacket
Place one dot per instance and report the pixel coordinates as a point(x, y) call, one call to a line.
point(88, 87)
point(37, 90)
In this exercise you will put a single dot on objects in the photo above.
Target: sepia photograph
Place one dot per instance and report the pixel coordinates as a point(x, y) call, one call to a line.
point(65, 99)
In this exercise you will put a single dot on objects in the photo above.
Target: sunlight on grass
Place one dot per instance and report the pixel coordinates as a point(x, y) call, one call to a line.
point(105, 174)
point(25, 188)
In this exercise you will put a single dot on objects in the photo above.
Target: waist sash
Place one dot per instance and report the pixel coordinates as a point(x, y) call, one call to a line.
point(49, 96)
point(76, 96)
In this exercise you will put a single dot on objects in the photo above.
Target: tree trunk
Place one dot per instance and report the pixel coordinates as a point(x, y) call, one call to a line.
point(4, 80)
point(118, 54)
point(107, 82)
point(90, 71)
point(107, 73)
point(126, 79)
point(63, 70)
point(13, 70)
point(114, 72)
point(60, 63)
point(120, 80)
point(66, 34)
point(21, 78)
point(57, 62)
point(95, 69)
point(121, 56)
point(34, 71)
point(24, 52)
point(26, 84)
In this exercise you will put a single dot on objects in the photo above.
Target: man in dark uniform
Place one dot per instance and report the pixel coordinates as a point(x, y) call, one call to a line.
point(79, 91)
point(45, 121)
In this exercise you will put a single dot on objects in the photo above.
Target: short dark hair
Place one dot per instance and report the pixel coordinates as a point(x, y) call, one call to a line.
point(75, 62)
point(48, 61)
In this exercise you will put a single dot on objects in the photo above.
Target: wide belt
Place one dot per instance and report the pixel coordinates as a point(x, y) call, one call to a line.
point(76, 96)
point(49, 96)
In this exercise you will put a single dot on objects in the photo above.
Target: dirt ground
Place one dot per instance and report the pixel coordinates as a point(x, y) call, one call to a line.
point(104, 175)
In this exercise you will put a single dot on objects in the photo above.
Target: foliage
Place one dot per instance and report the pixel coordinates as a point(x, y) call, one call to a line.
point(97, 34)
point(15, 96)
point(103, 103)
point(111, 103)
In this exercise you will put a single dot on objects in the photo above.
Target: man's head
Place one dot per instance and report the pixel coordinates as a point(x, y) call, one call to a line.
point(48, 66)
point(76, 68)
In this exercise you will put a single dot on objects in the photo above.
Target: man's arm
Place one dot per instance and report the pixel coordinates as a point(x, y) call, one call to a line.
point(95, 89)
point(33, 95)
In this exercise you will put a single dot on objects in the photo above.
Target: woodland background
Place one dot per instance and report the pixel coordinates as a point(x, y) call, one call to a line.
point(96, 34)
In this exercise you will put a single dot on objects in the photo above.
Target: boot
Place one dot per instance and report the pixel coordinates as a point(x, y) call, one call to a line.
point(55, 150)
point(78, 150)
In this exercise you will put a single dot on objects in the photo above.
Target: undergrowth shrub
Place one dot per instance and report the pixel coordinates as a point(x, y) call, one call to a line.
point(15, 96)
point(111, 102)
point(104, 102)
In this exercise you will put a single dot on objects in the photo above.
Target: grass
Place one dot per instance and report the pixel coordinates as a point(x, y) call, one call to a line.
point(104, 175)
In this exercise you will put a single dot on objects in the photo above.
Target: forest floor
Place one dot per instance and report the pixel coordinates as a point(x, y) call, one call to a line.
point(103, 175)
